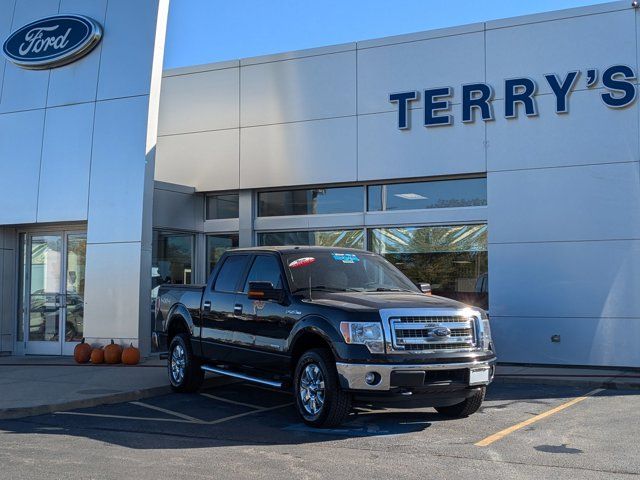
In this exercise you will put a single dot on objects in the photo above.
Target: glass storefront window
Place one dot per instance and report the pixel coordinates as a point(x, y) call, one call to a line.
point(217, 245)
point(314, 201)
point(453, 259)
point(323, 238)
point(222, 206)
point(172, 258)
point(465, 192)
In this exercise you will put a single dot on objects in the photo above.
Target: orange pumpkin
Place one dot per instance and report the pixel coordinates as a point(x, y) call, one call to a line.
point(112, 353)
point(82, 352)
point(97, 355)
point(130, 355)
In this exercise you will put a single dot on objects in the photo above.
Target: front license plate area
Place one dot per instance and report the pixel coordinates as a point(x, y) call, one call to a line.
point(478, 376)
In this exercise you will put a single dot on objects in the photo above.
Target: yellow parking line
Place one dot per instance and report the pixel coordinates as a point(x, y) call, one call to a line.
point(503, 433)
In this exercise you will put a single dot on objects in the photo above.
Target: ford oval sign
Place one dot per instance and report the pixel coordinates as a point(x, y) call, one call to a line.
point(52, 41)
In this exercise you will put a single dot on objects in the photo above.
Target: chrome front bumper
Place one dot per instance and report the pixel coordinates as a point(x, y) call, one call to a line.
point(352, 375)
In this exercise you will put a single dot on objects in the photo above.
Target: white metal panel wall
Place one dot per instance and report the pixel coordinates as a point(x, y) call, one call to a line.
point(26, 89)
point(7, 8)
point(204, 160)
point(307, 88)
point(78, 81)
point(50, 141)
point(438, 62)
point(324, 152)
point(68, 134)
point(564, 197)
point(200, 102)
point(8, 250)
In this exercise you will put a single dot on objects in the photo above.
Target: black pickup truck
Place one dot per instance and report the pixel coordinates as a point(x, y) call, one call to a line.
point(332, 325)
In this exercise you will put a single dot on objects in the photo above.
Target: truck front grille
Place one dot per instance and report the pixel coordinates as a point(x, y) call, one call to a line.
point(427, 334)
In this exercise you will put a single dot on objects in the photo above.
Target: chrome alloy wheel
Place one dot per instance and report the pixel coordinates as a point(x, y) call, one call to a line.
point(178, 364)
point(311, 389)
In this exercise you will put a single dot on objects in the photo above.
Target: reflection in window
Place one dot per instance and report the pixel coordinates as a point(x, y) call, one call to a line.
point(453, 259)
point(222, 206)
point(311, 201)
point(466, 192)
point(172, 258)
point(217, 245)
point(323, 238)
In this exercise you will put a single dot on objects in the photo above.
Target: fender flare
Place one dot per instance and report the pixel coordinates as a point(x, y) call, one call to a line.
point(316, 325)
point(179, 313)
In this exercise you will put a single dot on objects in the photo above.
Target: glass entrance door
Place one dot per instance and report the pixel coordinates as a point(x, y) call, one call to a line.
point(53, 296)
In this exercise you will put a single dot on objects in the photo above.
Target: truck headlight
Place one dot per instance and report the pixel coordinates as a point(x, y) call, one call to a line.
point(487, 342)
point(364, 333)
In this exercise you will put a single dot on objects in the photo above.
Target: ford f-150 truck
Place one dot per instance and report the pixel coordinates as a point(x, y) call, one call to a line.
point(332, 325)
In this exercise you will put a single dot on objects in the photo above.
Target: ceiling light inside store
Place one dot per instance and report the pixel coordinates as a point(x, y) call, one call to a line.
point(410, 196)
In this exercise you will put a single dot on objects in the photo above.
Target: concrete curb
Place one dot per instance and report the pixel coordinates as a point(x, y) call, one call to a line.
point(121, 397)
point(609, 383)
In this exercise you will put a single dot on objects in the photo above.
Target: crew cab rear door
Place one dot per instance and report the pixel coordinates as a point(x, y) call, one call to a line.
point(219, 307)
point(264, 325)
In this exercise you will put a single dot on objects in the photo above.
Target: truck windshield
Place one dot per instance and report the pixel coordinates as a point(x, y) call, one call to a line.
point(343, 272)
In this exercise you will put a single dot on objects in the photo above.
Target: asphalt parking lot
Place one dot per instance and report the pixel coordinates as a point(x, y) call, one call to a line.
point(237, 430)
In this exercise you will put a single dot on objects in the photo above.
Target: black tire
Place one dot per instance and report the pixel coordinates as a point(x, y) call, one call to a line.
point(463, 409)
point(336, 403)
point(186, 376)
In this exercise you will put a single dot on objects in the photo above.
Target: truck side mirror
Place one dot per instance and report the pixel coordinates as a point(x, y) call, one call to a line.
point(425, 288)
point(265, 291)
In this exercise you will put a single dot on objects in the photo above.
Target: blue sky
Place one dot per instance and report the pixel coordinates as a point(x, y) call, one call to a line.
point(204, 31)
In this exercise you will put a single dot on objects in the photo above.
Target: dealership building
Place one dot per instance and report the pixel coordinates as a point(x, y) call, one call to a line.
point(497, 161)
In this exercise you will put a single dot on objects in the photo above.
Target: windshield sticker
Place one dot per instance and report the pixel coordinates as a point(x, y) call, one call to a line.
point(302, 262)
point(345, 257)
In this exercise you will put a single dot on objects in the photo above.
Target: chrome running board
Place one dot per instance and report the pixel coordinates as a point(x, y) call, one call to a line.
point(241, 376)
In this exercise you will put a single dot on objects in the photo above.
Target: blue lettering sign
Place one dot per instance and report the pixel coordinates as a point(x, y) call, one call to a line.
point(612, 82)
point(432, 106)
point(477, 96)
point(403, 99)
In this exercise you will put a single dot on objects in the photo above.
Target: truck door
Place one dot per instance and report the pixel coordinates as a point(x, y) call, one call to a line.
point(218, 304)
point(264, 325)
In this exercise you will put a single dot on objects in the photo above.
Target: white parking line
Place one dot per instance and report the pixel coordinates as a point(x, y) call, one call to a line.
point(126, 417)
point(195, 421)
point(233, 417)
point(168, 412)
point(242, 404)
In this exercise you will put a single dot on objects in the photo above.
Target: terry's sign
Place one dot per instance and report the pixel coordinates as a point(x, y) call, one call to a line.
point(519, 94)
point(52, 41)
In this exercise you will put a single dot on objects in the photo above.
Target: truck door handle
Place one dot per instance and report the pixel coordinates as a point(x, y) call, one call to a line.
point(237, 309)
point(206, 306)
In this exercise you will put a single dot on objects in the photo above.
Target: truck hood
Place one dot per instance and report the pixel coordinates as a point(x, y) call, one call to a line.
point(374, 301)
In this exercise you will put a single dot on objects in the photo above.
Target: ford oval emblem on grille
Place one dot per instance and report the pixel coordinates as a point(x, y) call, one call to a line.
point(52, 41)
point(441, 332)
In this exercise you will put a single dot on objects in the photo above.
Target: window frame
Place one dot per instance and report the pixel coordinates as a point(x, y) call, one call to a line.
point(278, 259)
point(219, 194)
point(219, 268)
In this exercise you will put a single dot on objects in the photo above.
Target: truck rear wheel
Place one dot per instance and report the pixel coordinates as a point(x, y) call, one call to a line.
point(319, 399)
point(185, 374)
point(463, 409)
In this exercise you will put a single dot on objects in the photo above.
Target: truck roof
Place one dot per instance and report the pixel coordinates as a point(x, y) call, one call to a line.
point(296, 248)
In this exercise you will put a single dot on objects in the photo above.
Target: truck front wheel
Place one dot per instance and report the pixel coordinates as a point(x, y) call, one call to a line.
point(185, 374)
point(465, 408)
point(319, 399)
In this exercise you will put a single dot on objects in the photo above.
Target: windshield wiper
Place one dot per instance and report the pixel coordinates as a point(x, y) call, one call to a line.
point(387, 289)
point(319, 287)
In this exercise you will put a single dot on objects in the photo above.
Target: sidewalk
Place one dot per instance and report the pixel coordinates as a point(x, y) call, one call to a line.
point(615, 379)
point(38, 385)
